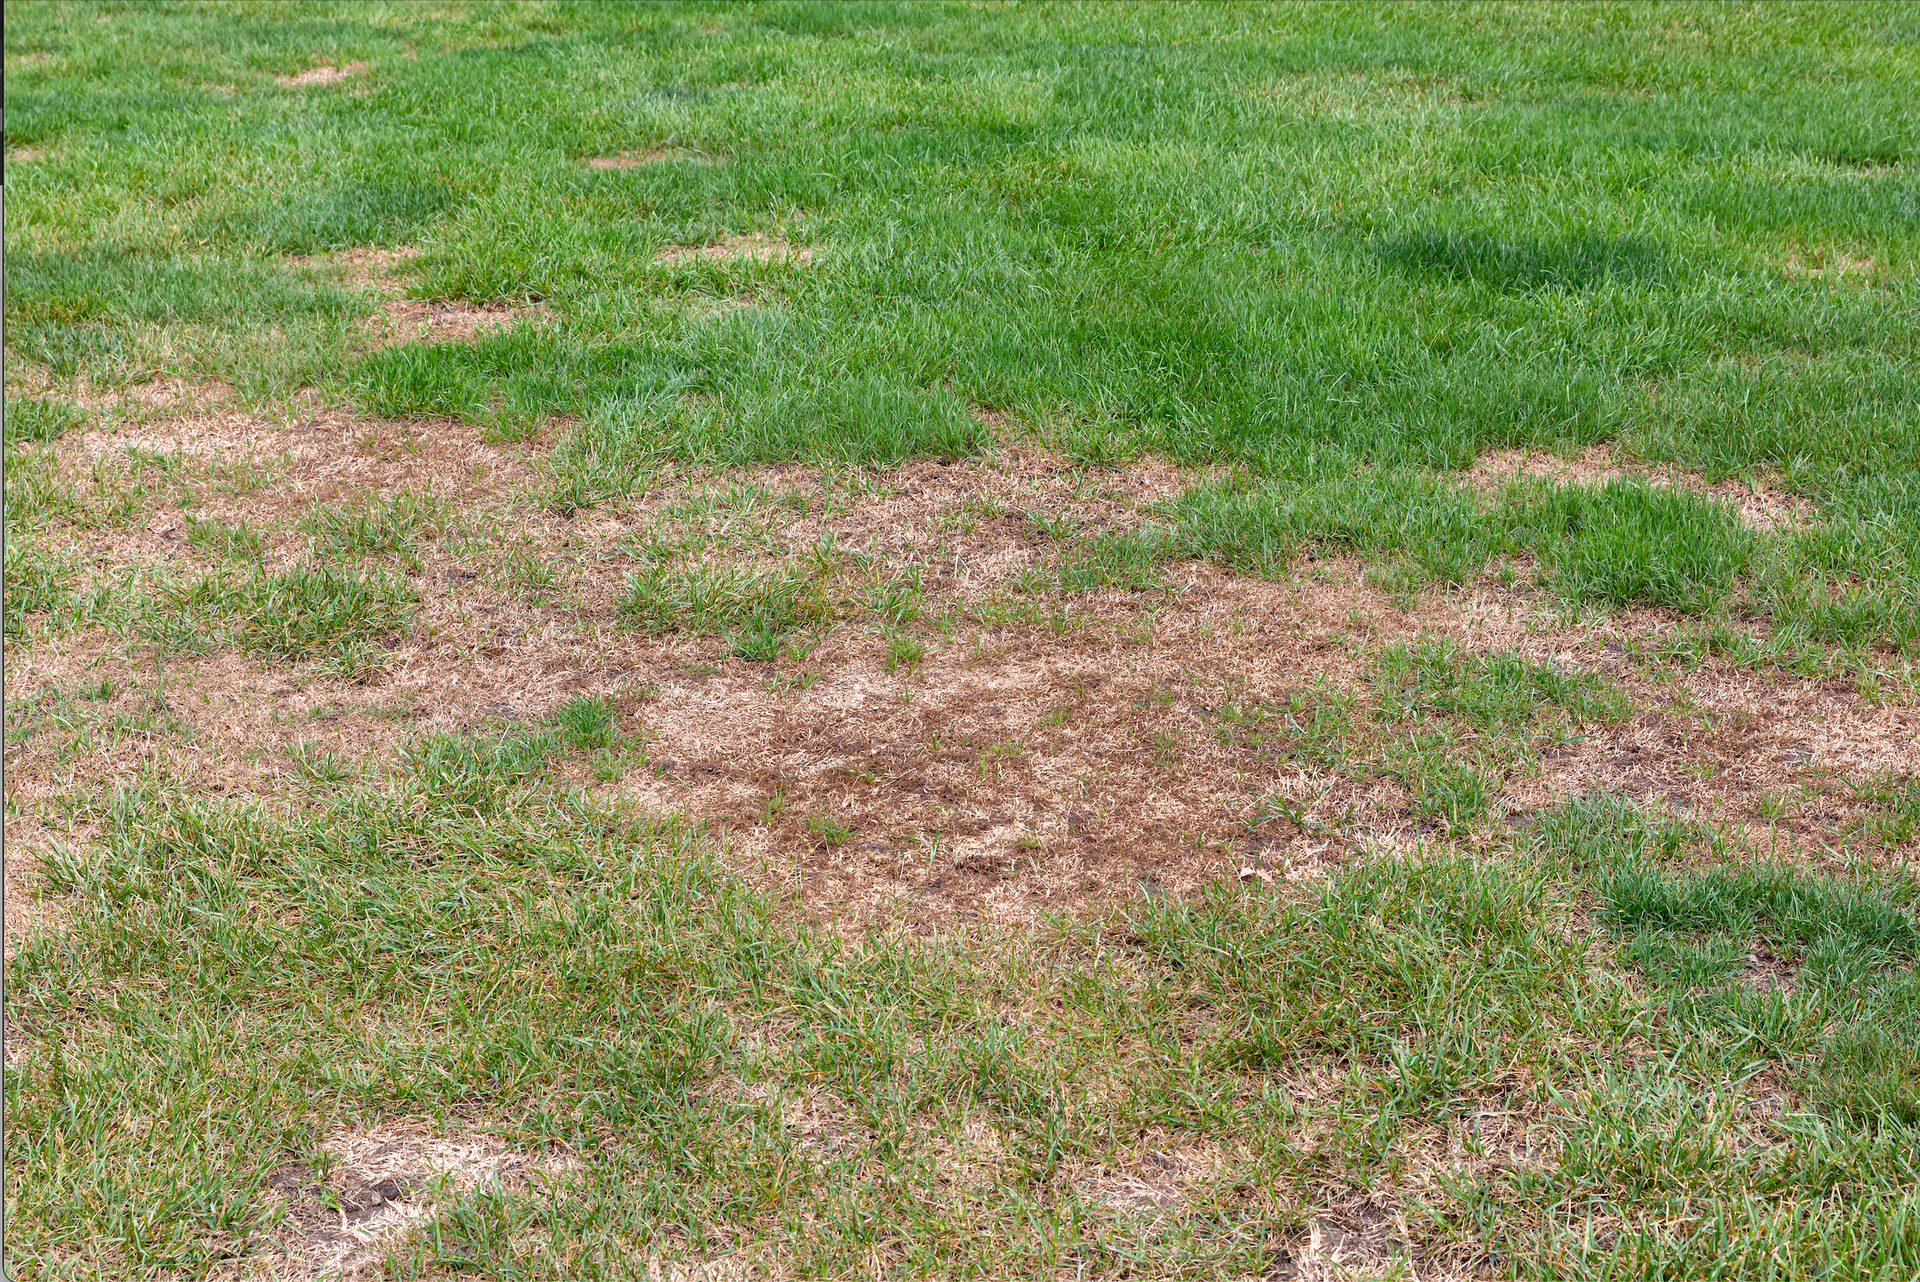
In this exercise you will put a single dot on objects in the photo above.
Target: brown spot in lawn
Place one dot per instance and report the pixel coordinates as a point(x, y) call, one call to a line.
point(157, 398)
point(1766, 969)
point(381, 1184)
point(321, 75)
point(366, 265)
point(326, 456)
point(408, 320)
point(1048, 751)
point(1151, 1181)
point(757, 248)
point(1831, 264)
point(1360, 1237)
point(635, 159)
point(26, 840)
point(1760, 505)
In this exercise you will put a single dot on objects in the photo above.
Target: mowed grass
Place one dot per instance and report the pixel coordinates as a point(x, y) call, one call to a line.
point(465, 940)
point(1325, 258)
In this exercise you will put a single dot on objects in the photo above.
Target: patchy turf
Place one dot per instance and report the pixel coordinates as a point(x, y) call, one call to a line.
point(942, 641)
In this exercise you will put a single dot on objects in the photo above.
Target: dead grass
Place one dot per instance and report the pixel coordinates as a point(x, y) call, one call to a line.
point(655, 156)
point(419, 320)
point(757, 247)
point(380, 1184)
point(323, 75)
point(1831, 263)
point(1763, 507)
point(1050, 751)
point(388, 272)
point(362, 265)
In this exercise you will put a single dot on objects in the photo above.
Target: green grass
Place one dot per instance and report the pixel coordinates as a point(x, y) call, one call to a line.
point(1624, 542)
point(246, 977)
point(297, 614)
point(34, 419)
point(375, 525)
point(237, 542)
point(1326, 257)
point(1134, 231)
point(760, 611)
point(1491, 691)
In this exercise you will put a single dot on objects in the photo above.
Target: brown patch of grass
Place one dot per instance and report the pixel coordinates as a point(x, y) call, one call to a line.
point(1715, 742)
point(1147, 1181)
point(321, 75)
point(1760, 505)
point(635, 159)
point(241, 467)
point(24, 841)
point(156, 398)
point(409, 320)
point(757, 247)
point(381, 1183)
point(1048, 751)
point(1362, 1236)
point(366, 265)
point(1830, 263)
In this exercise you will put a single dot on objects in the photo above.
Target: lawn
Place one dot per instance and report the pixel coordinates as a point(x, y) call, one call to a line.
point(813, 640)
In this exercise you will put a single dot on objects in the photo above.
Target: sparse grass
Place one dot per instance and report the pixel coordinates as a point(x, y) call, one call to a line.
point(375, 525)
point(827, 829)
point(1254, 285)
point(1490, 691)
point(237, 542)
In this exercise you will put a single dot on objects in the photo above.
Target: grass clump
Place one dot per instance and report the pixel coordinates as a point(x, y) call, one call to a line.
point(1623, 542)
point(904, 652)
point(376, 525)
point(38, 581)
point(1892, 815)
point(236, 542)
point(1630, 542)
point(758, 611)
point(1500, 690)
point(828, 830)
point(296, 614)
point(37, 419)
point(1426, 520)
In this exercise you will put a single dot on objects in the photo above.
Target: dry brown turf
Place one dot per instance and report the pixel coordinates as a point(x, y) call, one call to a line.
point(1051, 751)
